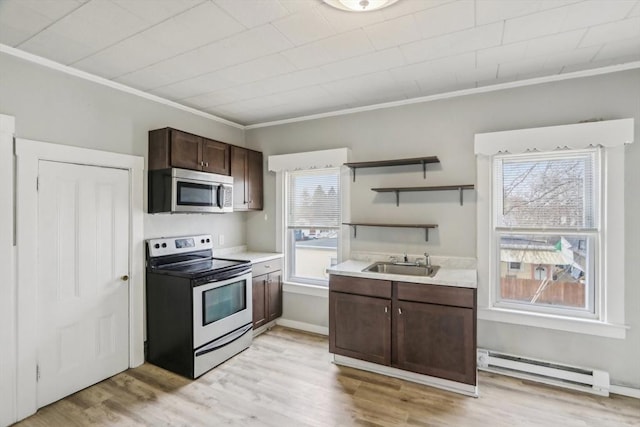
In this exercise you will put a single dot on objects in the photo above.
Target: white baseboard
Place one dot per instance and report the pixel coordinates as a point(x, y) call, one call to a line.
point(465, 389)
point(303, 326)
point(625, 391)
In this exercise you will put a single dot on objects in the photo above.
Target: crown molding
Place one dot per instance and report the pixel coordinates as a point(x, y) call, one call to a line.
point(39, 60)
point(454, 94)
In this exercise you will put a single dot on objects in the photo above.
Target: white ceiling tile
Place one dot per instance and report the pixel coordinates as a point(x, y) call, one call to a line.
point(393, 32)
point(252, 13)
point(453, 44)
point(516, 68)
point(257, 69)
point(365, 64)
point(343, 21)
point(163, 73)
point(534, 25)
point(129, 55)
point(612, 31)
point(636, 10)
point(294, 6)
point(21, 19)
point(196, 27)
point(331, 49)
point(304, 27)
point(476, 74)
point(154, 11)
point(594, 12)
point(195, 86)
point(446, 18)
point(403, 8)
point(622, 48)
point(571, 57)
point(503, 53)
point(91, 27)
point(488, 11)
point(554, 43)
point(422, 70)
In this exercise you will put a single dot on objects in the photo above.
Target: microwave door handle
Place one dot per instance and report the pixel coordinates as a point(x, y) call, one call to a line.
point(220, 196)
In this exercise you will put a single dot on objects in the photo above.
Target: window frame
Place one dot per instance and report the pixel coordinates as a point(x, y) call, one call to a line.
point(593, 284)
point(289, 231)
point(612, 135)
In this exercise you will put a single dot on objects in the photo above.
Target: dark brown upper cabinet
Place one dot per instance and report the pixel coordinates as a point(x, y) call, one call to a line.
point(246, 170)
point(174, 148)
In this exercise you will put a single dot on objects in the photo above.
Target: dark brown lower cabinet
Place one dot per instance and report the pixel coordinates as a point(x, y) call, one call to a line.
point(267, 292)
point(435, 340)
point(360, 327)
point(427, 329)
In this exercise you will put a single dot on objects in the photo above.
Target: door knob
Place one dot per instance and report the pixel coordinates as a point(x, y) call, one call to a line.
point(124, 278)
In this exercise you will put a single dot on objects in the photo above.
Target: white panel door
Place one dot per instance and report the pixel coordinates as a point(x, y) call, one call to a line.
point(83, 263)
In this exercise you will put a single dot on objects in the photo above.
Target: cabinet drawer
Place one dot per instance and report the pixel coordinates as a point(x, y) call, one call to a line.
point(360, 286)
point(265, 267)
point(436, 294)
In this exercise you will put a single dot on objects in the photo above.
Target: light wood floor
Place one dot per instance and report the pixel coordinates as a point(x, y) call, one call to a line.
point(285, 379)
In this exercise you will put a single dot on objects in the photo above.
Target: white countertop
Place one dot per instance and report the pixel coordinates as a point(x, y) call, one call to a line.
point(463, 278)
point(254, 257)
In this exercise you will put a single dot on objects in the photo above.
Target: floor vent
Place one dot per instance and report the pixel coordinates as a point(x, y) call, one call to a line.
point(575, 378)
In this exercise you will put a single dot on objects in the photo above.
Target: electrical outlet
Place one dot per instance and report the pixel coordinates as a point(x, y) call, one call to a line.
point(221, 239)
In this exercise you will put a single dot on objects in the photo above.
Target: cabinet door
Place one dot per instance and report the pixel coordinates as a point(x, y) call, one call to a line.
point(238, 172)
point(274, 296)
point(186, 150)
point(435, 340)
point(259, 301)
point(254, 180)
point(215, 156)
point(360, 327)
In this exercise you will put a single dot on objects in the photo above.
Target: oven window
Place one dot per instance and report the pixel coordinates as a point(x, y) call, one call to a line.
point(192, 194)
point(218, 303)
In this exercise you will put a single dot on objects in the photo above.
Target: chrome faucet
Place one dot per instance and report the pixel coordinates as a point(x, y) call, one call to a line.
point(405, 258)
point(427, 260)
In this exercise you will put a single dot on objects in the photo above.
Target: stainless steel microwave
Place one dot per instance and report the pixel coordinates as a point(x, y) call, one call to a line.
point(181, 191)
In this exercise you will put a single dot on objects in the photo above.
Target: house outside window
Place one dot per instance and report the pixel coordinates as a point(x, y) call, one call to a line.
point(545, 211)
point(312, 224)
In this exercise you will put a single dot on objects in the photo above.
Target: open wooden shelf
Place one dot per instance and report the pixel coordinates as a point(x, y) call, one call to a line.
point(355, 225)
point(399, 190)
point(396, 162)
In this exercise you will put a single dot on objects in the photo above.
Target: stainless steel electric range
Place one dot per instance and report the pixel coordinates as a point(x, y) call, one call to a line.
point(199, 311)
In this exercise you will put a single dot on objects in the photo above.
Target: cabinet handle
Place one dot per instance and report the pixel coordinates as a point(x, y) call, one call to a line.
point(201, 163)
point(399, 311)
point(386, 309)
point(267, 266)
point(206, 164)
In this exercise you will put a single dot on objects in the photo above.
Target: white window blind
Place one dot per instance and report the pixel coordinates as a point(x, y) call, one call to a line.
point(546, 191)
point(314, 199)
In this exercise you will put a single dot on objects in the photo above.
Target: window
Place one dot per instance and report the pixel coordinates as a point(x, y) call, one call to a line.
point(312, 224)
point(553, 197)
point(546, 213)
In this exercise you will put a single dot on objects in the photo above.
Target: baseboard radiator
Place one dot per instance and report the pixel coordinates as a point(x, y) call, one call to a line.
point(575, 378)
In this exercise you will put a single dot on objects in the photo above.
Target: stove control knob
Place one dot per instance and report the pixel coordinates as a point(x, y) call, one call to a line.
point(202, 241)
point(157, 246)
point(208, 240)
point(164, 245)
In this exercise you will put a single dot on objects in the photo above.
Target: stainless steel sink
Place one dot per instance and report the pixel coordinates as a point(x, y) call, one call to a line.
point(408, 270)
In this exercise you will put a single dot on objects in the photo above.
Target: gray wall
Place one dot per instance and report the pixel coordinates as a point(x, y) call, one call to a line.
point(446, 128)
point(54, 107)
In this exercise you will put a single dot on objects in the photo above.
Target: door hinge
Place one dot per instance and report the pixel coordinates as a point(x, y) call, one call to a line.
point(37, 183)
point(37, 372)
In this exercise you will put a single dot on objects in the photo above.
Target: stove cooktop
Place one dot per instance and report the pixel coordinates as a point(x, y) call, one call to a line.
point(199, 268)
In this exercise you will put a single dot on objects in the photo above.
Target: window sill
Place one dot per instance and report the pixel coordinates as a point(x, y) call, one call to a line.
point(305, 289)
point(560, 323)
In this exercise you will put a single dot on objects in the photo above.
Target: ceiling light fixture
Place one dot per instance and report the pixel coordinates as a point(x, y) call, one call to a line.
point(359, 5)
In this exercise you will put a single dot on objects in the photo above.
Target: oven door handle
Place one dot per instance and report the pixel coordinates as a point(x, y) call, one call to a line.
point(241, 273)
point(224, 341)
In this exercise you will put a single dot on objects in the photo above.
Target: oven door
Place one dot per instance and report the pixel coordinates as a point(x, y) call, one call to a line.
point(221, 307)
